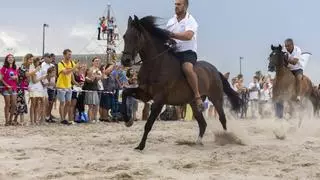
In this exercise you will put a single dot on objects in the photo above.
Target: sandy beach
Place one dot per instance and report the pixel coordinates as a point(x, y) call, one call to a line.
point(105, 151)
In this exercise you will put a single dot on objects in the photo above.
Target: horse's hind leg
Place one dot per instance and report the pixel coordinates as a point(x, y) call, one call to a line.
point(279, 109)
point(201, 121)
point(218, 104)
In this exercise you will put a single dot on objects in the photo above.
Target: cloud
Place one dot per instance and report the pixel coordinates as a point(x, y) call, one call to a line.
point(13, 42)
point(82, 30)
point(80, 38)
point(87, 34)
point(8, 40)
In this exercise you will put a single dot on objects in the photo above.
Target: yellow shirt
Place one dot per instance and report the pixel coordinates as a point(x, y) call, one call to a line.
point(64, 80)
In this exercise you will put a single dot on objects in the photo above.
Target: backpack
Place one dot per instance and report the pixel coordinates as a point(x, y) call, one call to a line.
point(81, 117)
point(57, 64)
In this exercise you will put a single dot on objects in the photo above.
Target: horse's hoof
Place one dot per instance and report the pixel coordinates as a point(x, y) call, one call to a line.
point(139, 148)
point(199, 141)
point(129, 123)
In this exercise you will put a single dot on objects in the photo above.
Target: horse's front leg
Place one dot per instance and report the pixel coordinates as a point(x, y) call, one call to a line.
point(156, 108)
point(279, 108)
point(136, 93)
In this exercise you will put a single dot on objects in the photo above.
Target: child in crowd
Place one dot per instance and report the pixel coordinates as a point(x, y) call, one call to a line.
point(107, 97)
point(49, 84)
point(132, 103)
point(265, 97)
point(78, 80)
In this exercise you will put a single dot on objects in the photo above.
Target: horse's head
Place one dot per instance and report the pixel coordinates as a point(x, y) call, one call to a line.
point(133, 41)
point(141, 36)
point(277, 58)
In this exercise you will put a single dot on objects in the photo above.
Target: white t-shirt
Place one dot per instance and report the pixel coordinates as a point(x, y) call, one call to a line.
point(35, 87)
point(296, 53)
point(44, 68)
point(265, 94)
point(254, 91)
point(186, 24)
point(116, 30)
point(52, 81)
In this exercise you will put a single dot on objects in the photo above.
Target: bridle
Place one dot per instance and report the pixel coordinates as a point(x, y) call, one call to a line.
point(139, 49)
point(158, 55)
point(284, 56)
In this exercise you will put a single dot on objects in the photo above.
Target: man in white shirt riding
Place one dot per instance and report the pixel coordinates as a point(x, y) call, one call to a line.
point(184, 31)
point(294, 64)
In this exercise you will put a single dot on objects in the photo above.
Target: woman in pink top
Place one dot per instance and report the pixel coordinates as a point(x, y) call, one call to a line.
point(9, 79)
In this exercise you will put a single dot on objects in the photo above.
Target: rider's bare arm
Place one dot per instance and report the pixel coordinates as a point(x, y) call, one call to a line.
point(183, 36)
point(294, 60)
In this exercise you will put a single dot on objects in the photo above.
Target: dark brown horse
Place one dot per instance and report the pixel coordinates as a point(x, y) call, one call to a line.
point(316, 91)
point(284, 87)
point(161, 78)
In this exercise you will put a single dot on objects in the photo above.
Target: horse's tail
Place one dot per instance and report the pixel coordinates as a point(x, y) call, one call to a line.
point(233, 96)
point(315, 98)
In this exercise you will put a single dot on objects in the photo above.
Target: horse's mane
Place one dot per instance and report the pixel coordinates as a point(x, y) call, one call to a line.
point(149, 24)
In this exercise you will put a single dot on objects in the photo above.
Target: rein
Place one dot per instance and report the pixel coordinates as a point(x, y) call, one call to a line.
point(158, 55)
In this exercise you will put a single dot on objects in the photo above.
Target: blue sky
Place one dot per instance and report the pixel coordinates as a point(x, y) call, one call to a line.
point(227, 28)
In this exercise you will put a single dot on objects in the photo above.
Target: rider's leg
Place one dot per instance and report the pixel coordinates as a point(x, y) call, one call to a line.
point(298, 85)
point(193, 82)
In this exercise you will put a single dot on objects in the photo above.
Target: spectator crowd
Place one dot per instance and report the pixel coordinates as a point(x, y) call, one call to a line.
point(84, 92)
point(92, 92)
point(256, 95)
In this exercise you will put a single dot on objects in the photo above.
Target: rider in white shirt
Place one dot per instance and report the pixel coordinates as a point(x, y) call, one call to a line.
point(183, 28)
point(294, 64)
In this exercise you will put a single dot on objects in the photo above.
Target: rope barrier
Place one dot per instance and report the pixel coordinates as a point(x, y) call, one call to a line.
point(73, 90)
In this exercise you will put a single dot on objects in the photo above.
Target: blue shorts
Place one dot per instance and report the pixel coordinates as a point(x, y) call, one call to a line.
point(51, 95)
point(9, 92)
point(64, 95)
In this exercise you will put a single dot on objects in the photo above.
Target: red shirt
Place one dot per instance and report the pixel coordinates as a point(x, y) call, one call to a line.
point(6, 77)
